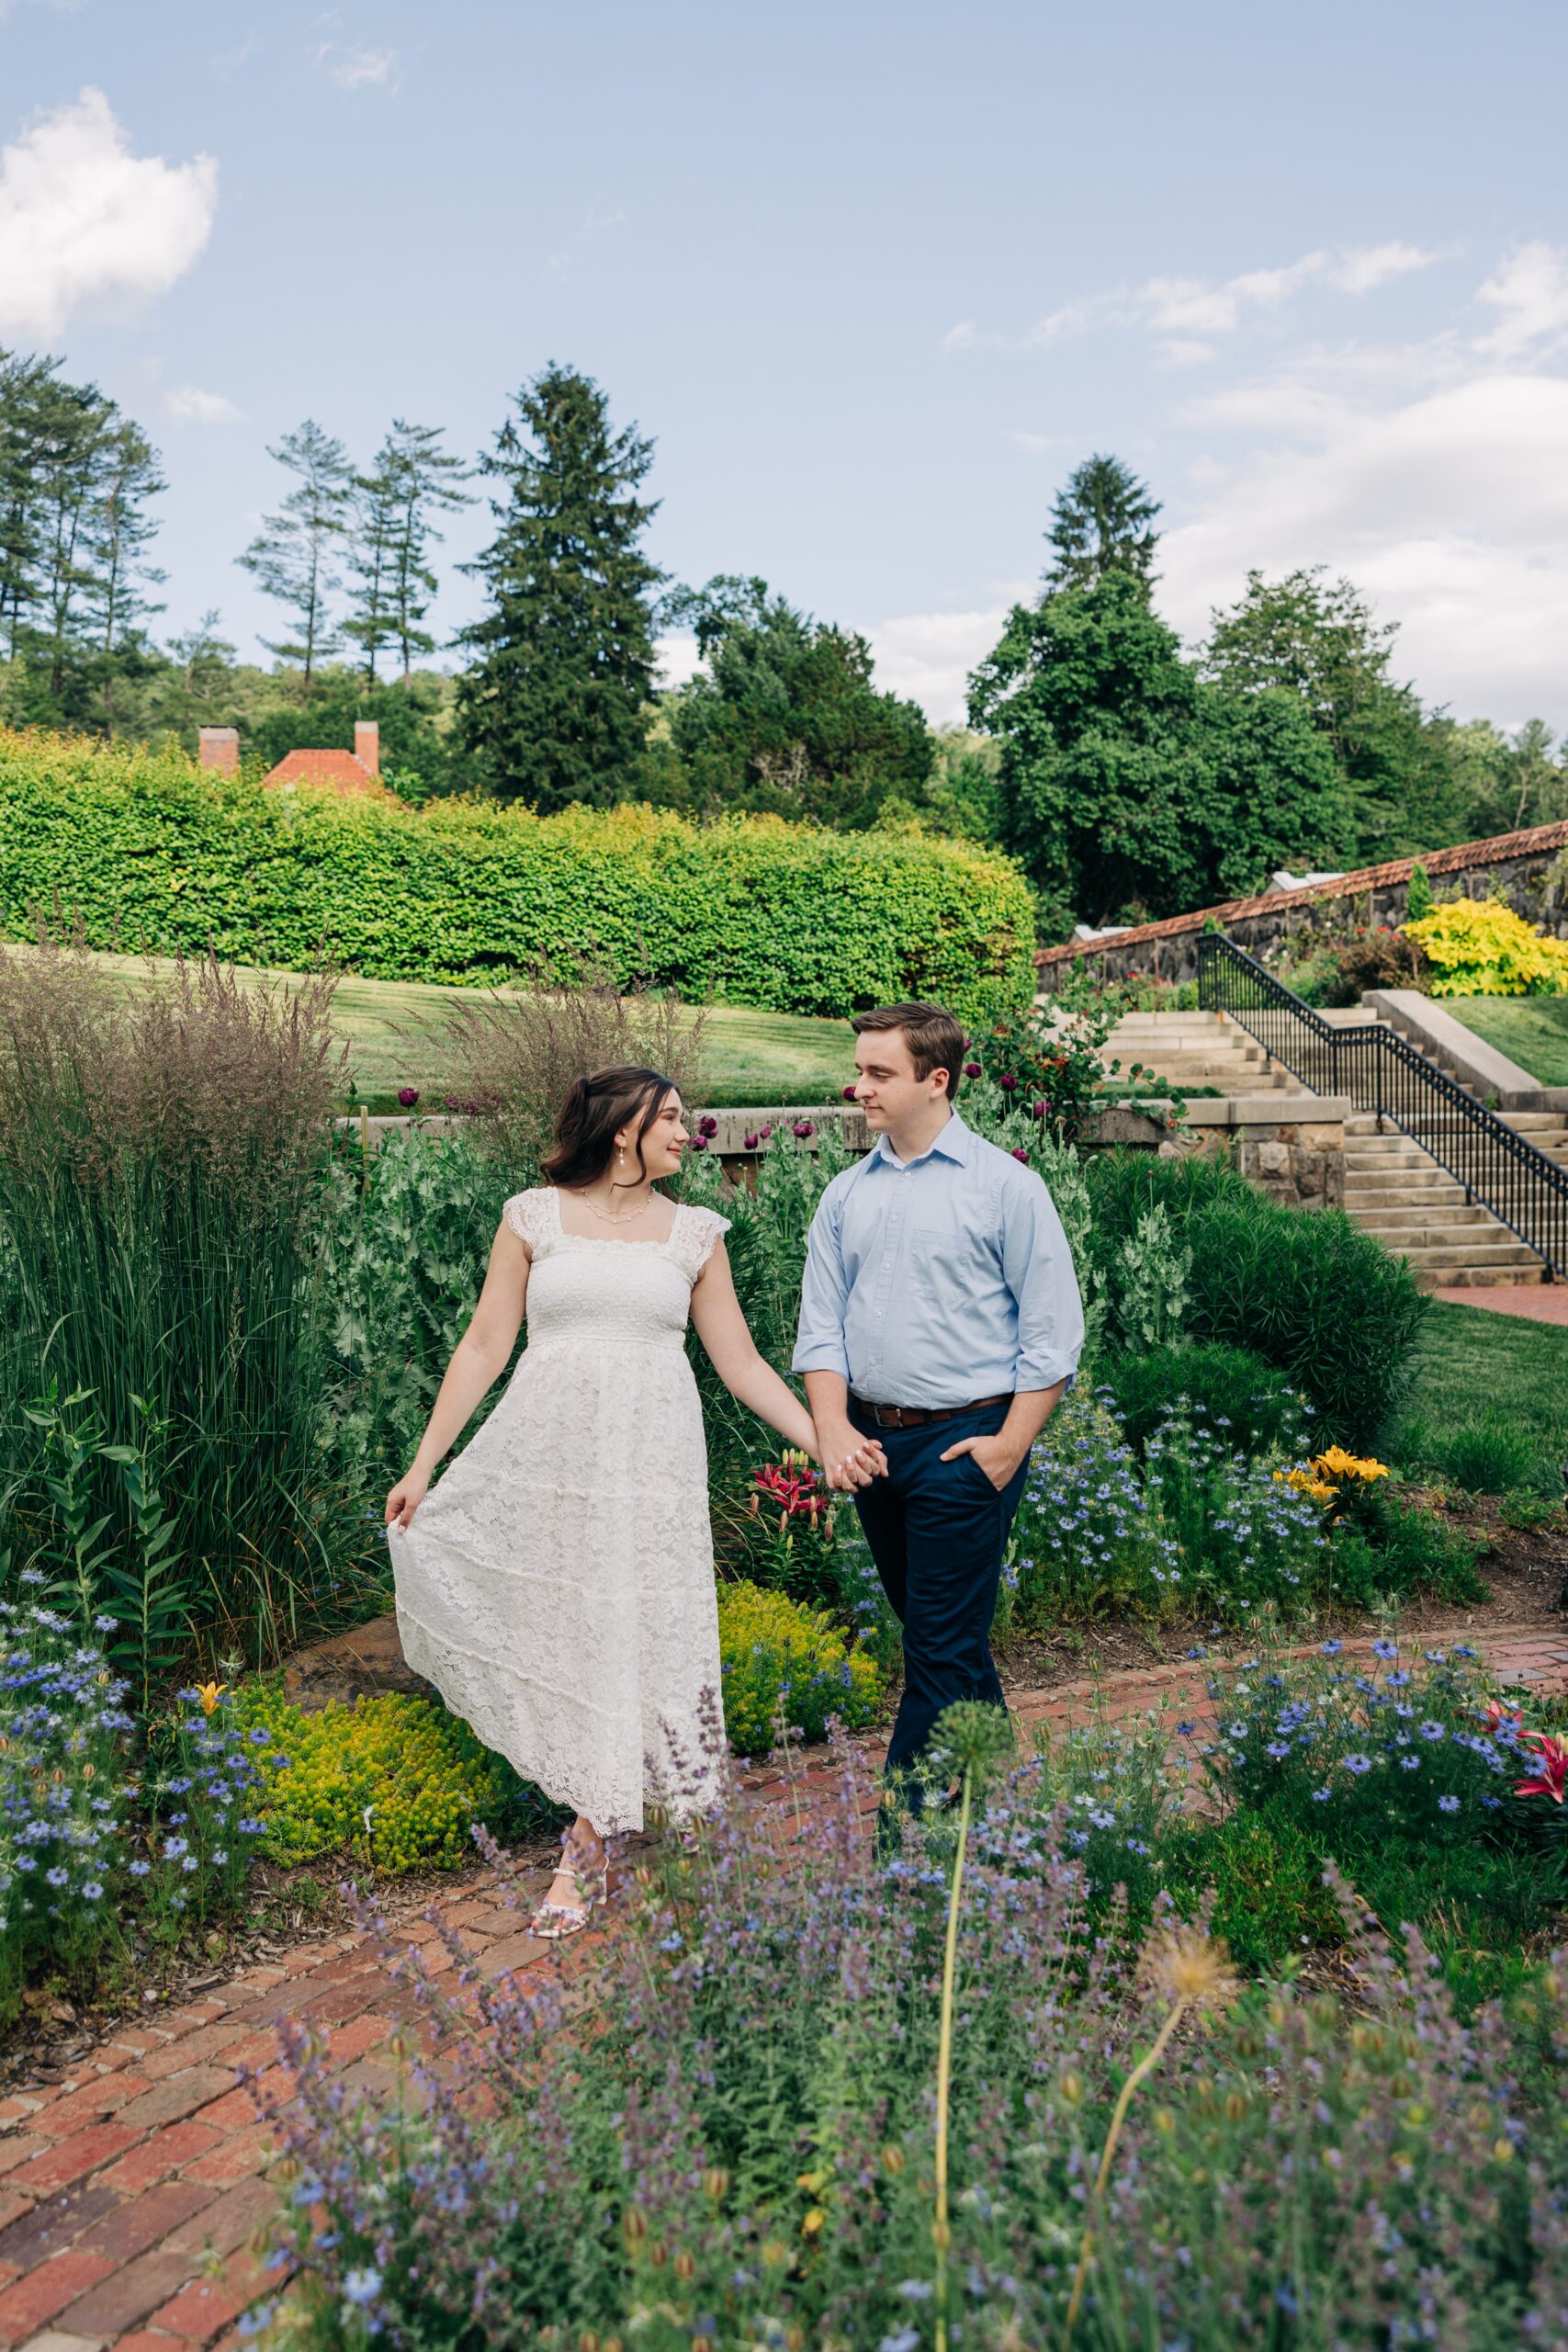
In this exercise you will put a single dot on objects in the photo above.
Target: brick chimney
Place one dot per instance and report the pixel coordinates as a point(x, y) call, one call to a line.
point(368, 744)
point(218, 747)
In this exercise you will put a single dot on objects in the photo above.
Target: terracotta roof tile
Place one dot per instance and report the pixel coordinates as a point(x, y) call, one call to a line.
point(1536, 840)
point(340, 772)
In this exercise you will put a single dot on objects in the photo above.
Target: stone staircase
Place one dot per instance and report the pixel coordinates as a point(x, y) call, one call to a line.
point(1396, 1191)
point(1196, 1049)
point(1392, 1188)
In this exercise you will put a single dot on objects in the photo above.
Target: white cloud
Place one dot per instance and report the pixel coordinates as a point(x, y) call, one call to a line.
point(355, 69)
point(187, 405)
point(929, 656)
point(84, 221)
point(678, 657)
point(1188, 309)
point(1449, 508)
point(594, 224)
point(1529, 292)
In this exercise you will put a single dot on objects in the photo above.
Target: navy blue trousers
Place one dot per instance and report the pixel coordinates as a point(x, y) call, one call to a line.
point(938, 1532)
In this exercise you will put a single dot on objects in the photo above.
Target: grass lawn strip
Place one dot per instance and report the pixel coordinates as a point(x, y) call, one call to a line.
point(1531, 1030)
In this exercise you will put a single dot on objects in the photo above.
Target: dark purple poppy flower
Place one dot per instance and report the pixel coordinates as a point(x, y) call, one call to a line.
point(749, 1143)
point(1037, 1110)
point(408, 1096)
point(707, 1125)
point(1019, 1152)
point(849, 1095)
point(970, 1069)
point(767, 1131)
point(1008, 1083)
point(699, 1143)
point(803, 1127)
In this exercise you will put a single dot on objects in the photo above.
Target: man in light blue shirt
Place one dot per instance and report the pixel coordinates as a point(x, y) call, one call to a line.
point(940, 1319)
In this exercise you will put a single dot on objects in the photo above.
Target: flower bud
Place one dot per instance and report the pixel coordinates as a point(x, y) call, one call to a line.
point(685, 2265)
point(893, 2159)
point(634, 2224)
point(716, 2180)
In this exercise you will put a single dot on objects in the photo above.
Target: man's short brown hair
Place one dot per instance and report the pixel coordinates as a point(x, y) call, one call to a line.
point(934, 1037)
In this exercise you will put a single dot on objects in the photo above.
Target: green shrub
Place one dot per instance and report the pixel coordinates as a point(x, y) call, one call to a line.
point(782, 1662)
point(1391, 1550)
point(1265, 1878)
point(150, 851)
point(1326, 1304)
point(1492, 1455)
point(1234, 1389)
point(396, 1780)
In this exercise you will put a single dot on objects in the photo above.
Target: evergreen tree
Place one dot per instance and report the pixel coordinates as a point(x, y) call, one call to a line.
point(1129, 786)
point(413, 480)
point(293, 558)
point(784, 717)
point(76, 483)
point(553, 709)
point(1101, 523)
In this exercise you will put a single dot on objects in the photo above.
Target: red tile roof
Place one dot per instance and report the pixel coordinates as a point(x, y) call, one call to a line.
point(1535, 840)
point(338, 771)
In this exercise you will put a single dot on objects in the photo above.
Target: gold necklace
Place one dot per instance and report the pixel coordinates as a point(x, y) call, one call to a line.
point(608, 1216)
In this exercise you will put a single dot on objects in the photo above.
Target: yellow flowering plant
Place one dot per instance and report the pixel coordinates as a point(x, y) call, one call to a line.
point(396, 1780)
point(781, 1660)
point(1480, 948)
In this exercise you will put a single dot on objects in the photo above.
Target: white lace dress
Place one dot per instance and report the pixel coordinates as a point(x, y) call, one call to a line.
point(557, 1584)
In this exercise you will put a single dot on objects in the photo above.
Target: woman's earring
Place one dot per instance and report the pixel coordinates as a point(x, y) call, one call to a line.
point(620, 1155)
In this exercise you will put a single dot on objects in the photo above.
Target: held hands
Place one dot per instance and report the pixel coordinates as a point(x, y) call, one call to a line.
point(849, 1460)
point(994, 1457)
point(406, 1498)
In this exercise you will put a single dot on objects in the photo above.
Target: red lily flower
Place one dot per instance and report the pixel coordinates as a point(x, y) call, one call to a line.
point(1553, 1779)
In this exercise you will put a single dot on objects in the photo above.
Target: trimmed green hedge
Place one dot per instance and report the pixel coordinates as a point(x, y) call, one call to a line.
point(150, 852)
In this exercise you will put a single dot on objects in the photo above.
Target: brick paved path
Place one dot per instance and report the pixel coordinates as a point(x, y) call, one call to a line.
point(132, 2192)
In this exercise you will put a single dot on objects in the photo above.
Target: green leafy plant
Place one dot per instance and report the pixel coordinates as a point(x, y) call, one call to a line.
point(396, 1782)
point(1150, 1277)
point(144, 846)
point(787, 1668)
point(1236, 1391)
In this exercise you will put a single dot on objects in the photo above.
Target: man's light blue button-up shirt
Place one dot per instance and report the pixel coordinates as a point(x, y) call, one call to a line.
point(936, 1280)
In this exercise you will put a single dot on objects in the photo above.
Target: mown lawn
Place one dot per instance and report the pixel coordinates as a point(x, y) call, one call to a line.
point(1472, 1363)
point(395, 1031)
point(1531, 1030)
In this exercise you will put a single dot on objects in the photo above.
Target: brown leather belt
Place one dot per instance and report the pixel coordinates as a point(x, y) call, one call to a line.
point(915, 1416)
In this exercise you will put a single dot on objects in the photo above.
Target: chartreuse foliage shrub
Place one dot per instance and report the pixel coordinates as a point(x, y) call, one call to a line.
point(1312, 1295)
point(150, 851)
point(783, 1663)
point(396, 1780)
point(1480, 948)
point(752, 2156)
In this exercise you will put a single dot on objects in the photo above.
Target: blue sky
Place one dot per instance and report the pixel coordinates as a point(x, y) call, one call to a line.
point(873, 276)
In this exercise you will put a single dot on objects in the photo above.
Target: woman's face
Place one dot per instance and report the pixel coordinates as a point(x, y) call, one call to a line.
point(664, 1142)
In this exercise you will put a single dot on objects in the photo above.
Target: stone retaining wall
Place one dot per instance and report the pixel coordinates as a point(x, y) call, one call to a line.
point(1528, 869)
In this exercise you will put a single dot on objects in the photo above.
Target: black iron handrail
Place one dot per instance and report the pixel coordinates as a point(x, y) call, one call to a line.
point(1377, 1070)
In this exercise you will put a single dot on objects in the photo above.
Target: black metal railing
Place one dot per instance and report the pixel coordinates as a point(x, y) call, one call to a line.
point(1376, 1069)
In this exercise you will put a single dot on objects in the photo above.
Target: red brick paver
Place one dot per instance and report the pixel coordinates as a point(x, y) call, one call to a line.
point(1539, 1302)
point(135, 2190)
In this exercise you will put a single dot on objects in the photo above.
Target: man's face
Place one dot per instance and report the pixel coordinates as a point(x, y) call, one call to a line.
point(886, 1087)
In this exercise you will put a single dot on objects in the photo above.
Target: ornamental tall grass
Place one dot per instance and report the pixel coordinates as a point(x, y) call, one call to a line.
point(163, 1172)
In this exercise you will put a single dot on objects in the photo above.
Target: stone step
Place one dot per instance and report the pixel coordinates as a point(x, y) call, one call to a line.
point(1476, 1255)
point(1427, 1198)
point(1384, 1218)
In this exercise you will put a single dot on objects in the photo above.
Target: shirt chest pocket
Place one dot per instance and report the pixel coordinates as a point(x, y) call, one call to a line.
point(952, 1263)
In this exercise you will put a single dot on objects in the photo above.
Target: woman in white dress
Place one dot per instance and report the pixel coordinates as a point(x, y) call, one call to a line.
point(558, 1587)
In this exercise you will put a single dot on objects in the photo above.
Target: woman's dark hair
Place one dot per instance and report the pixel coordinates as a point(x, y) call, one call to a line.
point(587, 1121)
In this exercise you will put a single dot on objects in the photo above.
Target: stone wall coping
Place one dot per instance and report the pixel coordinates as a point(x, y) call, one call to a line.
point(1475, 1063)
point(1535, 840)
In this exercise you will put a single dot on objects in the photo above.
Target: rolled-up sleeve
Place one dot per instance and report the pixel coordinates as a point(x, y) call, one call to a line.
point(824, 1294)
point(1038, 1266)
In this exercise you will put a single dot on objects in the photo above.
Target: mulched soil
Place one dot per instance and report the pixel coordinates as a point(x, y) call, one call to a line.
point(1524, 1570)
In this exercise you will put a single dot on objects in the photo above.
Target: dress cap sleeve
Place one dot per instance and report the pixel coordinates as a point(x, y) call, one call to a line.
point(530, 1216)
point(697, 1235)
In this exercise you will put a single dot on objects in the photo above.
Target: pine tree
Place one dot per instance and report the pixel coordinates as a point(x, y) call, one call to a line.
point(121, 530)
point(293, 558)
point(413, 480)
point(553, 708)
point(1100, 523)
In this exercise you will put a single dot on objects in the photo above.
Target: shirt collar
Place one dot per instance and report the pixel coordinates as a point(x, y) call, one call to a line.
point(952, 1143)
